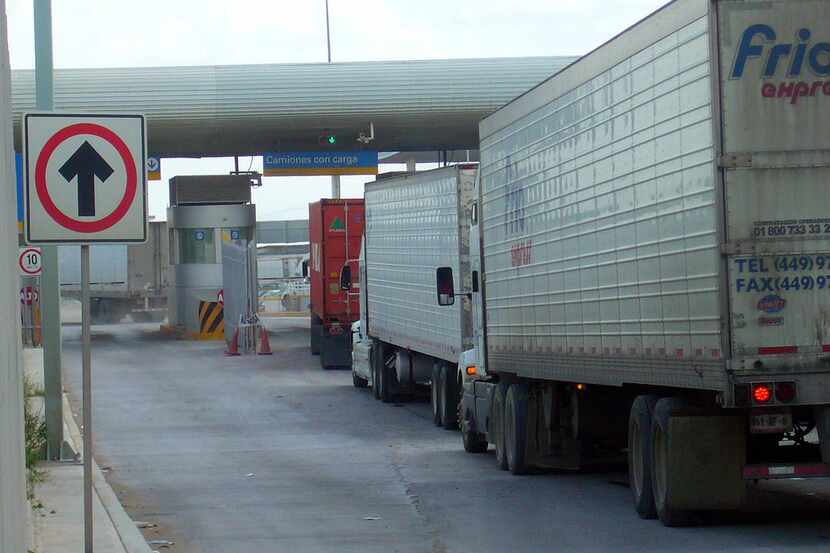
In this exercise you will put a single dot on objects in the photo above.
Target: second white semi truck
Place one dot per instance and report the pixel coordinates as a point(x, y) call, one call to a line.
point(414, 224)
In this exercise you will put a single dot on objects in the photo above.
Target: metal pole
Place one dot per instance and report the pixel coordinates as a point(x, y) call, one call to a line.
point(87, 399)
point(335, 179)
point(335, 186)
point(328, 33)
point(13, 505)
point(50, 296)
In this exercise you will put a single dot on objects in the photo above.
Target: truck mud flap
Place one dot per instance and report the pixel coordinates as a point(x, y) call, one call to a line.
point(706, 455)
point(335, 350)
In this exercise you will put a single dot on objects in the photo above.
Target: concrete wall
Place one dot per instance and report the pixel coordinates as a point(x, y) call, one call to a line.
point(12, 475)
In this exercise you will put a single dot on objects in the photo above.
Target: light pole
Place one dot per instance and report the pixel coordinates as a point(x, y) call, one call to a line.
point(328, 33)
point(335, 179)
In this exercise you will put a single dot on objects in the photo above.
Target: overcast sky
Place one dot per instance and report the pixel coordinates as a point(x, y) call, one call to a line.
point(120, 33)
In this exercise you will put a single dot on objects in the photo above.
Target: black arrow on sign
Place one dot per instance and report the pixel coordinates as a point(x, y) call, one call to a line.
point(86, 164)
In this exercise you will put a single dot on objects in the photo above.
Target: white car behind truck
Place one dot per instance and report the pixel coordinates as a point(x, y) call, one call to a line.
point(652, 231)
point(416, 238)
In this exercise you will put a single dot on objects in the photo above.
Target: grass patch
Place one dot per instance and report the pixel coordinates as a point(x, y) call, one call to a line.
point(35, 431)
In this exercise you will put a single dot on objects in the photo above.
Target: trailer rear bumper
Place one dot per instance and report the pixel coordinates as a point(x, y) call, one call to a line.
point(784, 471)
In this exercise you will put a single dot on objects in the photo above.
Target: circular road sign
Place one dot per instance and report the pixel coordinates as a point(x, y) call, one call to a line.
point(30, 261)
point(29, 295)
point(129, 166)
point(84, 178)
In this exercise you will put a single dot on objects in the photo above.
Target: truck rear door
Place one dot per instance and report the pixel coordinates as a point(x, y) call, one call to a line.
point(775, 95)
point(343, 231)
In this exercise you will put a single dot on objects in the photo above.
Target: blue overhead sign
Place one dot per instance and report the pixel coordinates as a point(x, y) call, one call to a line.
point(362, 162)
point(18, 169)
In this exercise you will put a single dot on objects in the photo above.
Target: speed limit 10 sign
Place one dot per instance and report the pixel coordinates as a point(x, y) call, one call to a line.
point(29, 261)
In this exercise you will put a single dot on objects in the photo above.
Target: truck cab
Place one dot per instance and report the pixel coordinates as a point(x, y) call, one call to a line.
point(472, 364)
point(361, 343)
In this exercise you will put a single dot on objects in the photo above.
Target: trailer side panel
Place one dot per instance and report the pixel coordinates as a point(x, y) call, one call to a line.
point(415, 224)
point(600, 213)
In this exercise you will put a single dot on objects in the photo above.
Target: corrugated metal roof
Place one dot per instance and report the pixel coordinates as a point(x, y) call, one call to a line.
point(241, 109)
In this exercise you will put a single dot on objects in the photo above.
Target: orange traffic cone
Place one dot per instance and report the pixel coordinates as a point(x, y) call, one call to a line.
point(234, 349)
point(263, 347)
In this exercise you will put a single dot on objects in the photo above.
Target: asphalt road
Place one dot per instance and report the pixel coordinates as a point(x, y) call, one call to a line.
point(272, 454)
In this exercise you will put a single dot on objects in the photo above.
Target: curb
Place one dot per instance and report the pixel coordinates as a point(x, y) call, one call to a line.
point(125, 527)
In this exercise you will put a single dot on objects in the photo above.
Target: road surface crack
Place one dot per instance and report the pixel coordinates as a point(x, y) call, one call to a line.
point(438, 545)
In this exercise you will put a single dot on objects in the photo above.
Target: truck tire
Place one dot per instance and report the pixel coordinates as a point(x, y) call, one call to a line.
point(373, 357)
point(359, 382)
point(435, 394)
point(473, 441)
point(449, 399)
point(639, 454)
point(314, 334)
point(515, 428)
point(497, 419)
point(105, 312)
point(387, 382)
point(660, 467)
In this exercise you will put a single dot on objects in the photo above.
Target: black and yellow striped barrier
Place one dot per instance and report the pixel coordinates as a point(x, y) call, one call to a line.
point(211, 321)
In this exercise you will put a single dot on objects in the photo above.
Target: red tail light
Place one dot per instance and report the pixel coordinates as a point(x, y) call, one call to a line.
point(785, 392)
point(761, 393)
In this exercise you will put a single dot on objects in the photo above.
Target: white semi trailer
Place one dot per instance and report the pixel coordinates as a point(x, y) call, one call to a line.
point(124, 279)
point(651, 249)
point(415, 223)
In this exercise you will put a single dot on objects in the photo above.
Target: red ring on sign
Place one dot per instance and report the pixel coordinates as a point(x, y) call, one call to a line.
point(20, 261)
point(43, 193)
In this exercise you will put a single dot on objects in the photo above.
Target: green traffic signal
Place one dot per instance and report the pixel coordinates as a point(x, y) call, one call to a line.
point(332, 139)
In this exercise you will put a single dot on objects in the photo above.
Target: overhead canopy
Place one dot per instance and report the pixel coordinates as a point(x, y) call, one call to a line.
point(252, 109)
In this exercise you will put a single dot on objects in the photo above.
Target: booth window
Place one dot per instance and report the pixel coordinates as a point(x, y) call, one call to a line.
point(196, 246)
point(235, 234)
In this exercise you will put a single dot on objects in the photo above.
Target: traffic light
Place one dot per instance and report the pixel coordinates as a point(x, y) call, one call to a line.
point(327, 138)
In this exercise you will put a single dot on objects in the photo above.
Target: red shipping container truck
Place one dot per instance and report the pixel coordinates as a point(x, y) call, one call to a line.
point(335, 233)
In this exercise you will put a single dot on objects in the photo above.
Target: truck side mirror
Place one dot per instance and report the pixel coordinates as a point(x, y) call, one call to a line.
point(346, 277)
point(446, 289)
point(305, 268)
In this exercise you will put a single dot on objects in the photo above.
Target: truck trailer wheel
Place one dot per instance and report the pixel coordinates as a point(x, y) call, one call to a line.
point(359, 382)
point(449, 399)
point(661, 469)
point(639, 454)
point(497, 418)
point(515, 428)
point(435, 394)
point(374, 355)
point(473, 441)
point(387, 381)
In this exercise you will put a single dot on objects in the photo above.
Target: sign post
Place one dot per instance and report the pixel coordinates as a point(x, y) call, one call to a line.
point(85, 183)
point(86, 385)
